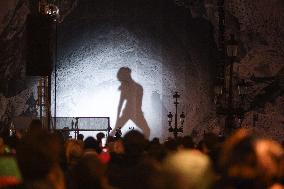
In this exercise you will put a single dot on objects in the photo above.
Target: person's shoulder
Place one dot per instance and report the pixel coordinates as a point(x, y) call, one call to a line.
point(138, 86)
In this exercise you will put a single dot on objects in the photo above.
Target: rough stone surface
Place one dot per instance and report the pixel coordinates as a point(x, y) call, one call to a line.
point(259, 28)
point(17, 92)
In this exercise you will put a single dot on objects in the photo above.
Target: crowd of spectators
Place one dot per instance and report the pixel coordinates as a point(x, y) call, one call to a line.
point(45, 160)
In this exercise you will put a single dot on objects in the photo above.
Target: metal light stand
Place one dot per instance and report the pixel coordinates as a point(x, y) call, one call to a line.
point(76, 127)
point(176, 129)
point(43, 100)
point(118, 133)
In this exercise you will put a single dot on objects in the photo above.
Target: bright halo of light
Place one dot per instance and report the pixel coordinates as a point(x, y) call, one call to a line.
point(87, 86)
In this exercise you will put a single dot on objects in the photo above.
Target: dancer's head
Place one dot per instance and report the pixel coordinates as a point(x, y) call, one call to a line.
point(124, 74)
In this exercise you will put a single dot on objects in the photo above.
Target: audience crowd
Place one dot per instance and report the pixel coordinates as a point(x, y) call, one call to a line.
point(46, 160)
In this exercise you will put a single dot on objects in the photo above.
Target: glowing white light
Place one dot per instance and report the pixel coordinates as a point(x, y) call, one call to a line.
point(87, 84)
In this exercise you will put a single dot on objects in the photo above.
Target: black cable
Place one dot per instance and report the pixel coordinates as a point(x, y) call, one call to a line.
point(55, 74)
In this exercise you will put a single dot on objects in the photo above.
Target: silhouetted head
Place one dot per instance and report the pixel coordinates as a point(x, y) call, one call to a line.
point(270, 161)
point(134, 142)
point(187, 169)
point(238, 160)
point(124, 74)
point(91, 144)
point(89, 173)
point(38, 153)
point(35, 125)
point(80, 137)
point(171, 145)
point(187, 142)
point(155, 141)
point(73, 151)
point(100, 136)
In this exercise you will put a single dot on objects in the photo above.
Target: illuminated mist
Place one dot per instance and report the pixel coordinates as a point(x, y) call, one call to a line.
point(88, 86)
point(164, 56)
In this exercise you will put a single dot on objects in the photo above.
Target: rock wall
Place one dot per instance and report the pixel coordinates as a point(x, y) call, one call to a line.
point(17, 91)
point(13, 89)
point(259, 28)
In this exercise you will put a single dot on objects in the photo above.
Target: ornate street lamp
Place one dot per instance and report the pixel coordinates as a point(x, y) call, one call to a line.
point(224, 93)
point(228, 92)
point(242, 88)
point(219, 89)
point(232, 47)
point(232, 52)
point(176, 128)
point(218, 93)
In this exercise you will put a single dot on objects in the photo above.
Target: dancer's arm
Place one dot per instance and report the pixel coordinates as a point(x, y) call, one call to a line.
point(121, 100)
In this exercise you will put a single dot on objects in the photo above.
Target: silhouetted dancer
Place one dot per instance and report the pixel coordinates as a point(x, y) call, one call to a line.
point(132, 93)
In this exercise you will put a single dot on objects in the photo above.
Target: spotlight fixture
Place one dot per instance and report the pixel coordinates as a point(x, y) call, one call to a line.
point(49, 9)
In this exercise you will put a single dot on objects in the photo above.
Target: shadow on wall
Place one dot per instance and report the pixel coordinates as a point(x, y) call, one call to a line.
point(132, 94)
point(160, 112)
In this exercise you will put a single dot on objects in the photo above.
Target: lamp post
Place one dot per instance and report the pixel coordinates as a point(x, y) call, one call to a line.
point(176, 128)
point(232, 51)
point(225, 87)
point(230, 91)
